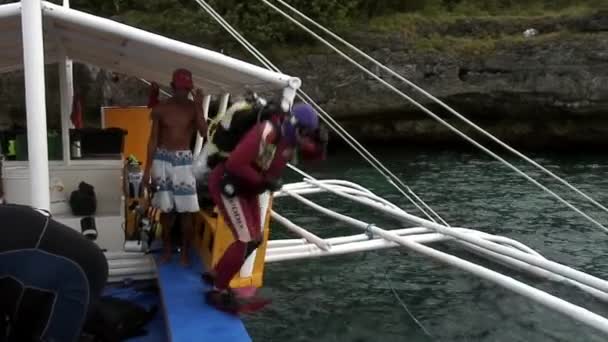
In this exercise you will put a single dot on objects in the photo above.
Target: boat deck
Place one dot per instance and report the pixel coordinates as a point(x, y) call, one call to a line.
point(156, 328)
point(186, 313)
point(183, 314)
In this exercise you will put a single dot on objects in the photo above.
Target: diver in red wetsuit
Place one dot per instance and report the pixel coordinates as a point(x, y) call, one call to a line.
point(254, 167)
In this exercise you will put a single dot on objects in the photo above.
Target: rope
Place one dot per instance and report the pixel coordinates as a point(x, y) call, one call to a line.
point(390, 284)
point(445, 123)
point(370, 235)
point(443, 104)
point(390, 177)
point(324, 115)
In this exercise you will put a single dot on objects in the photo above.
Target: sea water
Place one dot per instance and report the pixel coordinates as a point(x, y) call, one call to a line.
point(351, 298)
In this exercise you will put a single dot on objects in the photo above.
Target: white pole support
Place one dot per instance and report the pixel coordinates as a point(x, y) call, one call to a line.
point(223, 103)
point(66, 91)
point(289, 93)
point(206, 102)
point(312, 238)
point(198, 146)
point(35, 101)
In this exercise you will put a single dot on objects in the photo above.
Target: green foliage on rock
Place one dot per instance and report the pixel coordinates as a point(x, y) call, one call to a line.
point(185, 20)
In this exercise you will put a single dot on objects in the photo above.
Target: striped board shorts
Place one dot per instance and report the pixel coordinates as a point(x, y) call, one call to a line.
point(175, 183)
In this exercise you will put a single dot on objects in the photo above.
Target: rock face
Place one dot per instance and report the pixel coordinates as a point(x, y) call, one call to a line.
point(549, 90)
point(96, 88)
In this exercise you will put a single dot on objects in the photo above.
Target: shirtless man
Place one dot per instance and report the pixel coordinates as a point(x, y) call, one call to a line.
point(174, 122)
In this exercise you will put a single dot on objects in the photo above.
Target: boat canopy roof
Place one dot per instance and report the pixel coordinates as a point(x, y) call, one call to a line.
point(124, 49)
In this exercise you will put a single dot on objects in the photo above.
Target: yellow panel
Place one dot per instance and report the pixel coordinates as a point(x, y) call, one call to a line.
point(136, 121)
point(216, 239)
point(260, 260)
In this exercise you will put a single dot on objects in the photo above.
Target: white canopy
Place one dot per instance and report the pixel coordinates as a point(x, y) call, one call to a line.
point(34, 33)
point(121, 48)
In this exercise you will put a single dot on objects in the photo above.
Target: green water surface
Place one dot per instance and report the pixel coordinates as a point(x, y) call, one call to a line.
point(348, 298)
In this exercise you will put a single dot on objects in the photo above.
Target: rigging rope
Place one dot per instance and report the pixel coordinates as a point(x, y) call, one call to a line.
point(443, 104)
point(324, 115)
point(433, 115)
point(375, 163)
point(390, 284)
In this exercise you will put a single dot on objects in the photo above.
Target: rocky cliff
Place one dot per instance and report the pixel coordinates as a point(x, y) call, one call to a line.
point(548, 90)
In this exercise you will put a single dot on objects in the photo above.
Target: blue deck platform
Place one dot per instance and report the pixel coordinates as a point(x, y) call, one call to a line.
point(183, 315)
point(187, 315)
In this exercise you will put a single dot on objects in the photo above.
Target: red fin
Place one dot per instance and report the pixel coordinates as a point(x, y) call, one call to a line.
point(245, 292)
point(253, 306)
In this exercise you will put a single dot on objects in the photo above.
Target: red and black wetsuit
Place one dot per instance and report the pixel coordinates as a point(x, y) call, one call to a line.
point(259, 157)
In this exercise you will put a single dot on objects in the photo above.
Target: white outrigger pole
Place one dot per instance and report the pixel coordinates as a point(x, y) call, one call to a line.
point(499, 249)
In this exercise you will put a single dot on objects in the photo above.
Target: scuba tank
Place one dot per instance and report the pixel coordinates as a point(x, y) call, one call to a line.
point(227, 129)
point(141, 226)
point(135, 177)
point(76, 146)
point(147, 228)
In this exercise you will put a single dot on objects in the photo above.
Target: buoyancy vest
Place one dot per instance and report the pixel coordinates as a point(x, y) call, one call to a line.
point(227, 129)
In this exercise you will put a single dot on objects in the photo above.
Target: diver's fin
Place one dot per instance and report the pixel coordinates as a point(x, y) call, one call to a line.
point(228, 303)
point(253, 305)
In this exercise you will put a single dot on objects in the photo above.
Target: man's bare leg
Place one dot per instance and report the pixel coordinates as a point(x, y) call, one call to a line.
point(167, 221)
point(187, 221)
